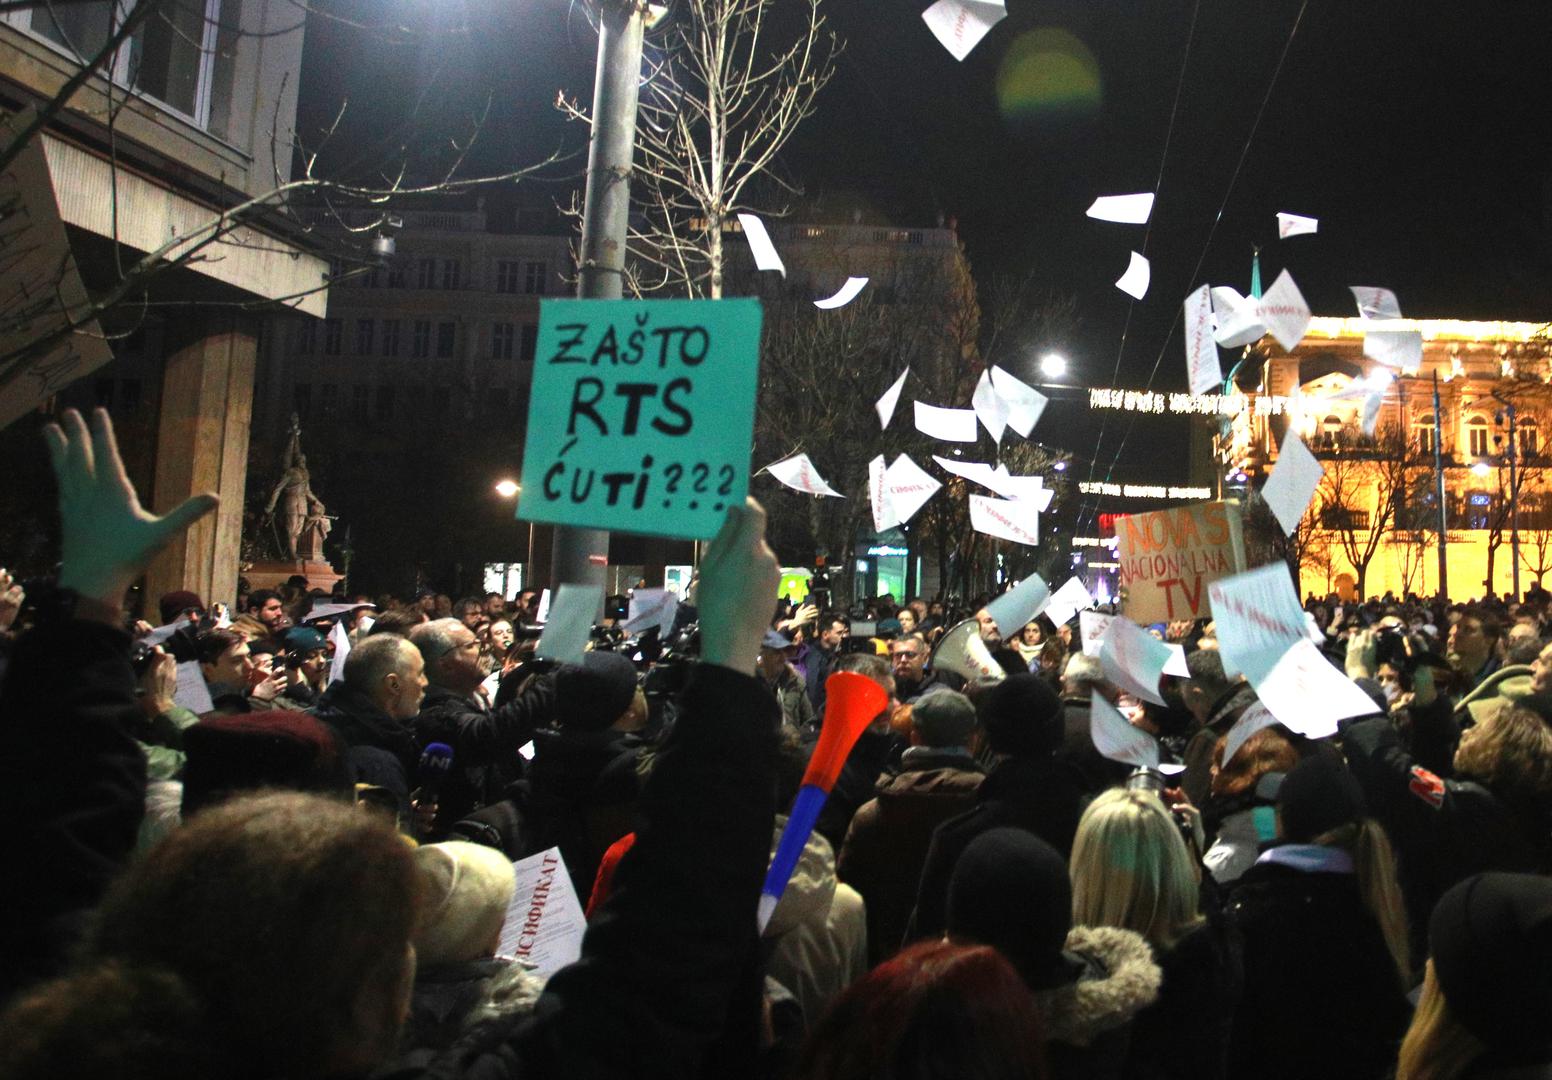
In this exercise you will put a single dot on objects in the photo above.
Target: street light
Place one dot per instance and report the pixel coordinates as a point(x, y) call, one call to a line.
point(1481, 468)
point(507, 488)
point(1053, 365)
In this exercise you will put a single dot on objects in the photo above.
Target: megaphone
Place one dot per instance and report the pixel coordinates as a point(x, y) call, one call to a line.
point(962, 651)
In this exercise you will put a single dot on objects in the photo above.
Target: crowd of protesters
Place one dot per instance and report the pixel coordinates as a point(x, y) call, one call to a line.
point(309, 878)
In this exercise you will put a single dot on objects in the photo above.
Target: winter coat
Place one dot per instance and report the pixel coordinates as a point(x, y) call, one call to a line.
point(1196, 781)
point(381, 750)
point(1444, 830)
point(1043, 795)
point(1322, 997)
point(484, 743)
point(868, 761)
point(818, 933)
point(581, 795)
point(1184, 1035)
point(818, 663)
point(791, 694)
point(1078, 749)
point(448, 999)
point(1088, 1023)
point(886, 845)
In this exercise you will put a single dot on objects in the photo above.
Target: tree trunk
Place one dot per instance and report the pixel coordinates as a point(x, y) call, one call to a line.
point(714, 258)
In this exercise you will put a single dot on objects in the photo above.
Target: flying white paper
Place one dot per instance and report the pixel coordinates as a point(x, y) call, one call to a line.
point(1283, 310)
point(848, 293)
point(1133, 659)
point(1237, 319)
point(571, 621)
point(1201, 351)
point(1255, 718)
point(191, 692)
point(885, 406)
point(652, 607)
point(159, 634)
point(542, 616)
point(1091, 628)
point(1295, 225)
point(341, 639)
point(1395, 348)
point(908, 487)
point(760, 246)
point(1025, 403)
point(1005, 519)
point(1258, 619)
point(1117, 738)
point(989, 407)
point(329, 611)
point(949, 425)
point(1125, 209)
point(878, 497)
point(1134, 282)
point(1375, 302)
point(1308, 695)
point(1016, 607)
point(1067, 601)
point(1030, 489)
point(544, 923)
point(799, 474)
point(959, 25)
point(1371, 412)
point(1176, 664)
point(1293, 482)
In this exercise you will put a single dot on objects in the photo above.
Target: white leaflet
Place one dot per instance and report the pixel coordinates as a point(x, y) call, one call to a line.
point(959, 25)
point(565, 635)
point(1117, 738)
point(885, 406)
point(1283, 310)
point(949, 425)
point(1395, 348)
point(760, 246)
point(1005, 519)
point(908, 487)
point(1375, 302)
point(799, 474)
point(652, 607)
point(1308, 695)
point(1201, 351)
point(1091, 628)
point(1133, 659)
point(1025, 403)
point(989, 407)
point(1067, 601)
point(1124, 209)
point(878, 497)
point(848, 292)
point(1134, 282)
point(1295, 225)
point(1255, 718)
point(1293, 481)
point(1019, 605)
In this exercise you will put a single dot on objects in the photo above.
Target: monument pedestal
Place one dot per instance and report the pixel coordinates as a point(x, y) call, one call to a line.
point(273, 573)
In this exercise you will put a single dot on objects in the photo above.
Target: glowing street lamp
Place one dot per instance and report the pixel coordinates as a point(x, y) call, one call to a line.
point(1053, 365)
point(507, 488)
point(1481, 468)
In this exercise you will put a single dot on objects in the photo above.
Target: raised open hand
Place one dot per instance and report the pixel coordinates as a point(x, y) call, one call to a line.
point(106, 536)
point(739, 576)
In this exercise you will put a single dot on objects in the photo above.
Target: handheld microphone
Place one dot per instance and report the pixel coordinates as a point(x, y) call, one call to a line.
point(436, 761)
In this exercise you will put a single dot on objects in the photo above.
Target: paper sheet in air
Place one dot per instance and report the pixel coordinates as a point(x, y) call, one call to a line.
point(908, 487)
point(760, 246)
point(329, 611)
point(1295, 225)
point(885, 406)
point(1091, 629)
point(1019, 605)
point(799, 474)
point(949, 425)
point(1134, 282)
point(1293, 482)
point(1133, 659)
point(1025, 403)
point(1176, 664)
point(959, 25)
point(989, 407)
point(341, 639)
point(1124, 209)
point(1308, 695)
point(878, 497)
point(1256, 717)
point(1005, 519)
point(191, 691)
point(1283, 310)
point(1202, 367)
point(652, 607)
point(571, 621)
point(1237, 319)
point(1371, 412)
point(1117, 738)
point(544, 923)
point(846, 295)
point(1375, 302)
point(1258, 619)
point(1395, 348)
point(159, 634)
point(1067, 601)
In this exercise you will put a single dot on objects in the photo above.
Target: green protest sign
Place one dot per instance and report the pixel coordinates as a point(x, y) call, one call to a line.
point(641, 415)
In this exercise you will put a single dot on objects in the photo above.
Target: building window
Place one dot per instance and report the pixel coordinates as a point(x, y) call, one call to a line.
point(306, 337)
point(364, 337)
point(1423, 433)
point(530, 343)
point(427, 276)
point(420, 345)
point(1479, 509)
point(333, 331)
point(451, 278)
point(441, 399)
point(506, 276)
point(533, 278)
point(302, 400)
point(328, 399)
point(1476, 435)
point(396, 275)
point(501, 340)
point(384, 404)
point(390, 337)
point(1330, 432)
point(447, 339)
point(1529, 438)
point(360, 401)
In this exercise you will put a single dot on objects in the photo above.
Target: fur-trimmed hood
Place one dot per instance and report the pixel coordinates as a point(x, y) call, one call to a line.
point(1122, 980)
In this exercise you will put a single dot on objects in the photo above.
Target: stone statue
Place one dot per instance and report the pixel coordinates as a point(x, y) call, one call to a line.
point(301, 513)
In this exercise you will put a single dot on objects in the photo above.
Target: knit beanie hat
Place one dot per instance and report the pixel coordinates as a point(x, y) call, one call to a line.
point(301, 639)
point(1022, 716)
point(1318, 794)
point(943, 718)
point(176, 603)
point(468, 888)
point(1491, 938)
point(592, 694)
point(1010, 890)
point(230, 754)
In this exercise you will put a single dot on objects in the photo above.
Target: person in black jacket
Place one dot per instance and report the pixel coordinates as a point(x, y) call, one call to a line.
point(373, 708)
point(660, 962)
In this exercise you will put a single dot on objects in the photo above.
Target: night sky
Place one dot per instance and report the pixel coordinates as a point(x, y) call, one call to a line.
point(1419, 134)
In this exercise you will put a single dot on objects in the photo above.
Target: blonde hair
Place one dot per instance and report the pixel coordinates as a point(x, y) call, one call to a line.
point(1436, 1046)
point(1131, 868)
point(1511, 754)
point(1374, 865)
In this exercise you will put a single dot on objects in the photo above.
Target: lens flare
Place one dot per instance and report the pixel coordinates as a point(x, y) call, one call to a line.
point(1048, 78)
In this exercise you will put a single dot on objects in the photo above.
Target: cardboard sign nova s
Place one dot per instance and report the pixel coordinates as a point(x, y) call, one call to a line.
point(1169, 557)
point(641, 417)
